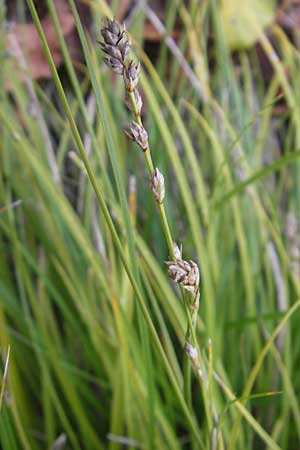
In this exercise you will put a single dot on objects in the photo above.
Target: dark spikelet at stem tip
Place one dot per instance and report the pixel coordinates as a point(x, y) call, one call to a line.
point(116, 45)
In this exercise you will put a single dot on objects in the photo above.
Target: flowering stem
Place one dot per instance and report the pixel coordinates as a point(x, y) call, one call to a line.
point(191, 312)
point(191, 309)
point(116, 46)
point(150, 165)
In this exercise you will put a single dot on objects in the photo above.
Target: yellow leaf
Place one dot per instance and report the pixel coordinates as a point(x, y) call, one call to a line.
point(244, 19)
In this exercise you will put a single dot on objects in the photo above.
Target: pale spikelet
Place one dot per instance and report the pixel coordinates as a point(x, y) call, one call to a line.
point(185, 273)
point(191, 351)
point(177, 251)
point(60, 442)
point(158, 186)
point(137, 133)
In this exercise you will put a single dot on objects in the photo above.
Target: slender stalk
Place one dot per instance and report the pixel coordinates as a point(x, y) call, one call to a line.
point(150, 165)
point(193, 304)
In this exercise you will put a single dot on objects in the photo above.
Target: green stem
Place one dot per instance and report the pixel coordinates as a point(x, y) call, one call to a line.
point(150, 165)
point(166, 228)
point(191, 312)
point(190, 306)
point(187, 379)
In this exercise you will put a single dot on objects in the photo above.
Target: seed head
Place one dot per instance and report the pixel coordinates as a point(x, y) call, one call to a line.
point(115, 44)
point(158, 186)
point(185, 273)
point(137, 133)
point(112, 28)
point(131, 75)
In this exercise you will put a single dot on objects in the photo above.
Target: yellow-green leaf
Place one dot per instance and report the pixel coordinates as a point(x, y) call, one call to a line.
point(244, 19)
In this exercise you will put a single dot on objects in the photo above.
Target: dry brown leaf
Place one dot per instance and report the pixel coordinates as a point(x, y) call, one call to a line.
point(150, 32)
point(289, 17)
point(122, 9)
point(29, 42)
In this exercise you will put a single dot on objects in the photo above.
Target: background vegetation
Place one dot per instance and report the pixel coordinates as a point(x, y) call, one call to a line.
point(96, 358)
